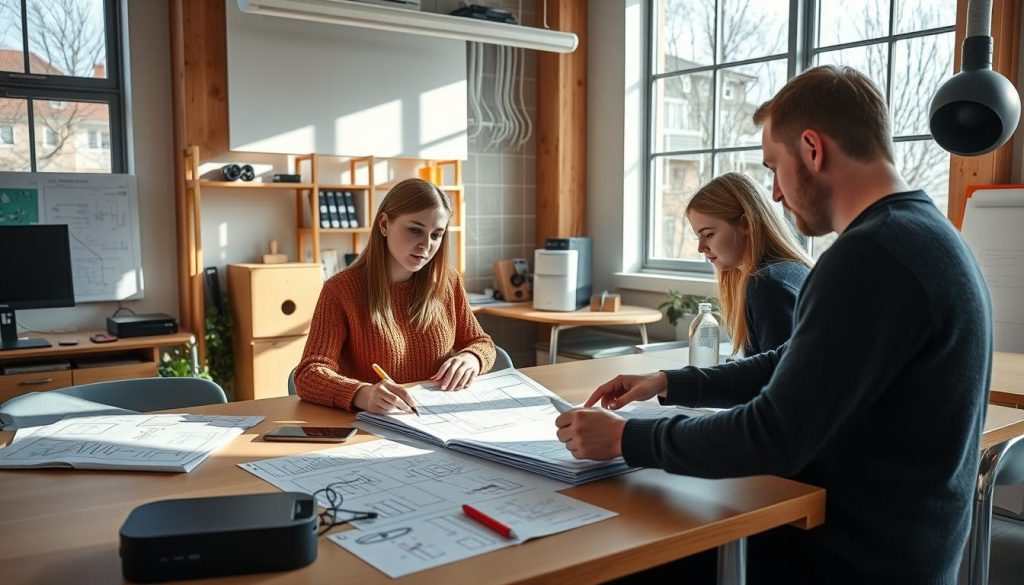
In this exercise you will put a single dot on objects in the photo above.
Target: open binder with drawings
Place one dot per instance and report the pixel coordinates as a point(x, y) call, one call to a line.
point(504, 417)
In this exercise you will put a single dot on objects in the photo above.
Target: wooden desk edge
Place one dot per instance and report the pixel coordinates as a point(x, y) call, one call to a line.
point(84, 345)
point(1010, 399)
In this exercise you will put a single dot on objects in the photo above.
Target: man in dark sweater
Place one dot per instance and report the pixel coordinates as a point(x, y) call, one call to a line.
point(879, 396)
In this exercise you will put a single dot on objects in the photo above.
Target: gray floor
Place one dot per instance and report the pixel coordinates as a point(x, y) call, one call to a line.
point(1007, 564)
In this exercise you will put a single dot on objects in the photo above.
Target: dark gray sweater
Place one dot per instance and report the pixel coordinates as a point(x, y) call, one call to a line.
point(879, 397)
point(771, 297)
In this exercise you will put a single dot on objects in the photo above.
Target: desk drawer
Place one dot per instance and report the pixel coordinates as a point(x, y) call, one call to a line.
point(16, 384)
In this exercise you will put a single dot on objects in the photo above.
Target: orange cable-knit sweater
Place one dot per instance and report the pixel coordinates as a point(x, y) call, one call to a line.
point(343, 342)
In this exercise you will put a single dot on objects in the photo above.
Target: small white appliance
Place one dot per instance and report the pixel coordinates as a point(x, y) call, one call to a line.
point(555, 275)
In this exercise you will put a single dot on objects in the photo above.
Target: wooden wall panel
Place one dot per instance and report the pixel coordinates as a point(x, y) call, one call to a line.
point(562, 126)
point(199, 87)
point(996, 166)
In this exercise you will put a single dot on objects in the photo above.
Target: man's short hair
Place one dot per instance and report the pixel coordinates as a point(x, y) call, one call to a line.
point(839, 102)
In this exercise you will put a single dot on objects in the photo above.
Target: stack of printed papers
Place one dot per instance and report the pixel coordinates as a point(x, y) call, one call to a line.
point(505, 417)
point(143, 442)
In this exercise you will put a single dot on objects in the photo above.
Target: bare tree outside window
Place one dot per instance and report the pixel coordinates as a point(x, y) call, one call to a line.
point(920, 65)
point(69, 37)
point(67, 48)
point(721, 95)
point(695, 60)
point(10, 35)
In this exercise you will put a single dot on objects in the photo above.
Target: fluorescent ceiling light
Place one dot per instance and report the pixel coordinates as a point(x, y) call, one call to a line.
point(414, 22)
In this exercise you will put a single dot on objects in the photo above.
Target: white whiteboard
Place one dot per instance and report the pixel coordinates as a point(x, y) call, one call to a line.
point(102, 215)
point(992, 228)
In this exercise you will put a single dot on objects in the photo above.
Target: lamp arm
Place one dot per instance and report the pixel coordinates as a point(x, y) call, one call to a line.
point(979, 18)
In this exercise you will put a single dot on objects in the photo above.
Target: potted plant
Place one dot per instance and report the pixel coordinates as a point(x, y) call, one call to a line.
point(219, 365)
point(680, 309)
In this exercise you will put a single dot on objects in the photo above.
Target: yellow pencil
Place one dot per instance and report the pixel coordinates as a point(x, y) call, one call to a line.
point(384, 376)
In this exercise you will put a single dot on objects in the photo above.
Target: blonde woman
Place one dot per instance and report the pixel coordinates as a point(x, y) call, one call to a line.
point(399, 305)
point(757, 263)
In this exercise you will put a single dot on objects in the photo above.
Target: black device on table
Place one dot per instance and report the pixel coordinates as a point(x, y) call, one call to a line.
point(309, 434)
point(226, 535)
point(36, 275)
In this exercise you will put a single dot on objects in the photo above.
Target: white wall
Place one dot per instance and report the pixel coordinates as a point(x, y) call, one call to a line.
point(296, 86)
point(151, 151)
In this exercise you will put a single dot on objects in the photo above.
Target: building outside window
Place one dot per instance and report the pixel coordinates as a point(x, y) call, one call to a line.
point(723, 58)
point(61, 58)
point(6, 135)
point(99, 140)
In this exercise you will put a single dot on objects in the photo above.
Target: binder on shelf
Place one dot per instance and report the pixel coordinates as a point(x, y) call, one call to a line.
point(339, 198)
point(325, 218)
point(350, 206)
point(332, 206)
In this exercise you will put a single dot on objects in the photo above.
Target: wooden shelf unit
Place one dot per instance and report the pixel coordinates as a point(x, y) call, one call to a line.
point(367, 198)
point(367, 193)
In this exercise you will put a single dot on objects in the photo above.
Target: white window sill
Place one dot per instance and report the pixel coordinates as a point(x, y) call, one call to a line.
point(688, 283)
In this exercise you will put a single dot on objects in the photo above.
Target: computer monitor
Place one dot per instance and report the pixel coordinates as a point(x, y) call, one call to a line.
point(35, 274)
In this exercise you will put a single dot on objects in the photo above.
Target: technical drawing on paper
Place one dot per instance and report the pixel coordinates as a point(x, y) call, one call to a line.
point(495, 403)
point(397, 481)
point(152, 441)
point(443, 538)
point(449, 535)
point(102, 227)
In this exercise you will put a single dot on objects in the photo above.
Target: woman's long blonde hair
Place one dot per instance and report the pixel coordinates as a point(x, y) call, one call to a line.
point(409, 196)
point(735, 198)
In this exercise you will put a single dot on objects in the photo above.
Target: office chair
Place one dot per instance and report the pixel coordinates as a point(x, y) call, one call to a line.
point(113, 397)
point(502, 361)
point(291, 382)
point(1002, 464)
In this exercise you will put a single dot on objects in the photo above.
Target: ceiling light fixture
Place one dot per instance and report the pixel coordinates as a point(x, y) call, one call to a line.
point(357, 14)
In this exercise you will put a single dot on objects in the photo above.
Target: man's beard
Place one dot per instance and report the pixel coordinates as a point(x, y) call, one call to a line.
point(814, 198)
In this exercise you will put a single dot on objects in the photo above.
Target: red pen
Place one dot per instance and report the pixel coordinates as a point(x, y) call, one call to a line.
point(488, 521)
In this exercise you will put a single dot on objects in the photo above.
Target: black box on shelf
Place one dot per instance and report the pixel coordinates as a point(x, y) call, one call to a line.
point(141, 325)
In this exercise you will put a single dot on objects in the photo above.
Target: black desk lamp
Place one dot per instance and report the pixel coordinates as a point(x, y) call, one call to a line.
point(977, 110)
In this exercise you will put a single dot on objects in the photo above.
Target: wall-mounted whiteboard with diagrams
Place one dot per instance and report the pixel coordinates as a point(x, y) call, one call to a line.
point(992, 228)
point(102, 215)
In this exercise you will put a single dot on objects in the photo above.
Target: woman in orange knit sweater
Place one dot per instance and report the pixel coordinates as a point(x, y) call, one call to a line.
point(399, 305)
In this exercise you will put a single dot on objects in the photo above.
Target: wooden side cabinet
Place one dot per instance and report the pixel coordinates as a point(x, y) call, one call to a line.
point(84, 363)
point(273, 305)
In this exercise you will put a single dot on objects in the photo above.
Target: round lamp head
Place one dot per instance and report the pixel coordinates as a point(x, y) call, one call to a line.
point(974, 112)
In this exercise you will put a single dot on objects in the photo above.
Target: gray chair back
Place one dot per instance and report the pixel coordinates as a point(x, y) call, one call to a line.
point(1011, 465)
point(145, 394)
point(502, 361)
point(291, 382)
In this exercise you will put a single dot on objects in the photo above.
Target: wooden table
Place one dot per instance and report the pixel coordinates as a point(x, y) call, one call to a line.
point(1007, 379)
point(62, 526)
point(560, 321)
point(1004, 423)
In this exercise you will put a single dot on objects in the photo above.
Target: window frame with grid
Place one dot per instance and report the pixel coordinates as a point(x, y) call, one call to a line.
point(34, 87)
point(801, 53)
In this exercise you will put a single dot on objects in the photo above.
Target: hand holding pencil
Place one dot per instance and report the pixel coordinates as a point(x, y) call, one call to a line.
point(399, 390)
point(385, 396)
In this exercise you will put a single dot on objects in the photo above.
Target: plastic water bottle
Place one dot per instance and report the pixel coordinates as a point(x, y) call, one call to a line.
point(704, 338)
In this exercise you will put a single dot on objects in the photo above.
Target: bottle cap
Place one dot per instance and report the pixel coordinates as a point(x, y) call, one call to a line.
point(704, 307)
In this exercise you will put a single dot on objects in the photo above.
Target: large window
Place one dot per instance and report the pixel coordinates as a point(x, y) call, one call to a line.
point(721, 59)
point(60, 86)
